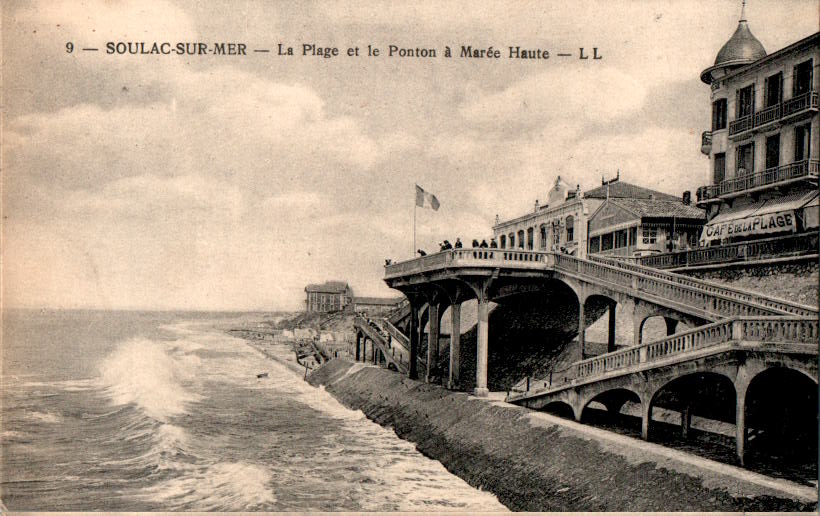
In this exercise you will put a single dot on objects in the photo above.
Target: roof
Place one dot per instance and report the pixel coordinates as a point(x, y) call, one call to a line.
point(328, 286)
point(622, 189)
point(660, 208)
point(741, 49)
point(384, 301)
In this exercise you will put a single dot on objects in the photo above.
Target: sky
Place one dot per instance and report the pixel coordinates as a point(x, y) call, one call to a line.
point(231, 182)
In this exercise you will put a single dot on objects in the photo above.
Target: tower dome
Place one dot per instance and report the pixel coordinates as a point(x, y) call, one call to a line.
point(741, 49)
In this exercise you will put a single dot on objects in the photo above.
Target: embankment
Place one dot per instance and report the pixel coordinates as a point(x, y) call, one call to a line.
point(538, 462)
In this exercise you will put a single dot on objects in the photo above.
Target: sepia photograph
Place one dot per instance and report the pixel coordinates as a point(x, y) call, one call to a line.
point(435, 256)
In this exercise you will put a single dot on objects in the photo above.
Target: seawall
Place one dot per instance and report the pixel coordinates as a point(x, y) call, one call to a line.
point(538, 462)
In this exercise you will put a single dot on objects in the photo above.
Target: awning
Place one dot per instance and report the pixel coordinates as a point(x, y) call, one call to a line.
point(811, 213)
point(771, 216)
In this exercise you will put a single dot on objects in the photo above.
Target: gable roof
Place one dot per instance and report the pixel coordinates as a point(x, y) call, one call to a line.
point(622, 189)
point(335, 287)
point(659, 208)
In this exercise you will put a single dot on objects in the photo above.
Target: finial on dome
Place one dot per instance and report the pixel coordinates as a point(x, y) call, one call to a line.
point(743, 11)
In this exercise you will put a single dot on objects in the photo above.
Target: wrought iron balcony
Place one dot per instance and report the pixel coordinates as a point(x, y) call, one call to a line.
point(706, 142)
point(795, 106)
point(759, 180)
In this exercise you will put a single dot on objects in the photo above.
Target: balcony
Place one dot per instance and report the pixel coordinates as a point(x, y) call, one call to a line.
point(782, 110)
point(775, 176)
point(706, 142)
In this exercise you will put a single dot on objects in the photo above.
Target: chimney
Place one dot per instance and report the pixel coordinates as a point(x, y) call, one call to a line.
point(687, 197)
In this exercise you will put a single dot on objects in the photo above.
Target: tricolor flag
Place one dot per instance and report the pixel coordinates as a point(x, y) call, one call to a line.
point(426, 199)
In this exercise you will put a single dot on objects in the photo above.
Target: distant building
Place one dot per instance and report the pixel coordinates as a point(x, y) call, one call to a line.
point(331, 296)
point(365, 304)
point(631, 226)
point(560, 225)
point(762, 147)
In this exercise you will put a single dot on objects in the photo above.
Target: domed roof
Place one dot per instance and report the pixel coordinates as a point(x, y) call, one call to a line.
point(742, 47)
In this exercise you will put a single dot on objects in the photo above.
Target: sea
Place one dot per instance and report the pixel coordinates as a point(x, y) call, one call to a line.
point(162, 411)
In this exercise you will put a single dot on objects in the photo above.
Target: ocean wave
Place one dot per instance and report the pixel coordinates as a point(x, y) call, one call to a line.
point(222, 486)
point(146, 373)
point(45, 417)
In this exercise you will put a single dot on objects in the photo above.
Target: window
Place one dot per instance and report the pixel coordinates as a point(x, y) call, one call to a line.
point(633, 236)
point(774, 89)
point(556, 234)
point(620, 238)
point(745, 159)
point(530, 239)
point(650, 235)
point(594, 244)
point(521, 238)
point(745, 101)
point(719, 114)
point(720, 167)
point(802, 78)
point(802, 142)
point(512, 240)
point(606, 242)
point(773, 151)
point(543, 236)
point(570, 229)
point(503, 241)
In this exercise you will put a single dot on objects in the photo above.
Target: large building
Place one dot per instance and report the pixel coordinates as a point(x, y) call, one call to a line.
point(762, 147)
point(330, 296)
point(561, 225)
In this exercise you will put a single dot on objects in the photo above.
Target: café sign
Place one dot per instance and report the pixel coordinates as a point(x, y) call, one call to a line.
point(752, 225)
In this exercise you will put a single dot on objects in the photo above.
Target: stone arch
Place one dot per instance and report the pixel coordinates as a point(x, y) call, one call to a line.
point(613, 399)
point(705, 393)
point(780, 406)
point(560, 408)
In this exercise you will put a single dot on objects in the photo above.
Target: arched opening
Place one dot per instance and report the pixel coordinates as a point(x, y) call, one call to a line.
point(600, 314)
point(521, 239)
point(503, 241)
point(543, 239)
point(511, 236)
point(530, 239)
point(781, 422)
point(570, 227)
point(658, 327)
point(696, 412)
point(618, 410)
point(560, 409)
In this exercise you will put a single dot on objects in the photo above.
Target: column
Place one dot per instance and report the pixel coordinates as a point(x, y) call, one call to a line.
point(582, 328)
point(413, 373)
point(671, 325)
point(740, 426)
point(685, 421)
point(646, 419)
point(481, 347)
point(432, 342)
point(455, 345)
point(637, 321)
point(610, 343)
point(358, 343)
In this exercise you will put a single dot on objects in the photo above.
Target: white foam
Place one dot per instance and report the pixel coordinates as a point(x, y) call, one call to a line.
point(141, 371)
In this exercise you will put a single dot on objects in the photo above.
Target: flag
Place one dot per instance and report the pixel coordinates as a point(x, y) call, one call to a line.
point(426, 199)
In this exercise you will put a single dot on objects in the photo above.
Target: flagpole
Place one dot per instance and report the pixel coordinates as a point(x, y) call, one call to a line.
point(414, 229)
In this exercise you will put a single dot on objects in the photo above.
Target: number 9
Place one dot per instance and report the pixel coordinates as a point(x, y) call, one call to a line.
point(69, 47)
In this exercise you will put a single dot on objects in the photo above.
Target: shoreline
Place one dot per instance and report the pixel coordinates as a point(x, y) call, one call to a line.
point(538, 462)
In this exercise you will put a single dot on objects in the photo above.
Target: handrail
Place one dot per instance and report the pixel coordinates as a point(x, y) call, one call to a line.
point(794, 330)
point(769, 176)
point(402, 341)
point(782, 305)
point(378, 340)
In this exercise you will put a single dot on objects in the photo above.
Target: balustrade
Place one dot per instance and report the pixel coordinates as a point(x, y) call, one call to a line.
point(770, 176)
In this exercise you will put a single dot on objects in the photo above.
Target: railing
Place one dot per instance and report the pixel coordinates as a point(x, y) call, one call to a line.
point(770, 176)
point(724, 293)
point(777, 247)
point(479, 257)
point(681, 346)
point(786, 108)
point(390, 355)
point(402, 341)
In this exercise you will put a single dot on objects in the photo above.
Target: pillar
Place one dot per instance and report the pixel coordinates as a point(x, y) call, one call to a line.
point(358, 343)
point(740, 426)
point(637, 322)
point(646, 419)
point(455, 345)
point(582, 328)
point(432, 342)
point(481, 347)
point(685, 421)
point(413, 372)
point(671, 325)
point(610, 343)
